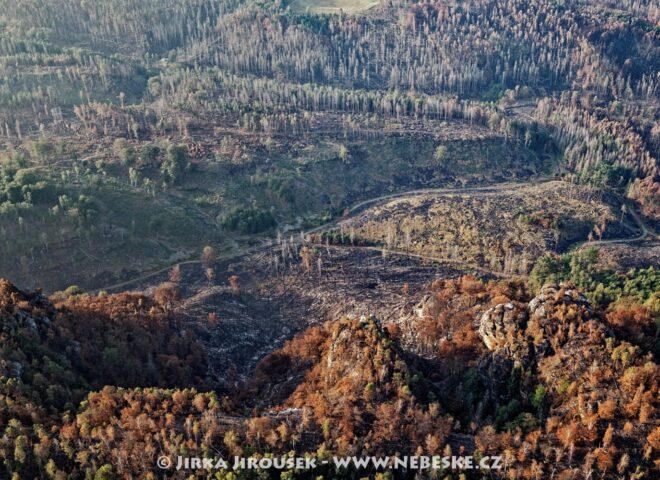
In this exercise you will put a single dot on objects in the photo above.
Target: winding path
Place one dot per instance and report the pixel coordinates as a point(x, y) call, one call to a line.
point(363, 204)
point(645, 232)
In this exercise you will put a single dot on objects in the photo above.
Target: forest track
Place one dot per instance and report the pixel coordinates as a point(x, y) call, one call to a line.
point(645, 232)
point(363, 204)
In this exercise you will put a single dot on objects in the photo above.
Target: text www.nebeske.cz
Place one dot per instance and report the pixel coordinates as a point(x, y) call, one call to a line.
point(309, 463)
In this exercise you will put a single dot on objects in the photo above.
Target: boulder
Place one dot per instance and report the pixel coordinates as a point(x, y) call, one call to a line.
point(500, 325)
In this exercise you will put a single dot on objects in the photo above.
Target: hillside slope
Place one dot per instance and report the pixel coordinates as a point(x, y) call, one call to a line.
point(502, 230)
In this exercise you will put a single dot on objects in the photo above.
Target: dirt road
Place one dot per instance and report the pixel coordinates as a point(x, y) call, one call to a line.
point(361, 205)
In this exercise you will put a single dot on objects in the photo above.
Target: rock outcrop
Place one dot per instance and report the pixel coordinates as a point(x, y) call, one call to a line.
point(555, 359)
point(501, 324)
point(555, 316)
point(518, 336)
point(547, 321)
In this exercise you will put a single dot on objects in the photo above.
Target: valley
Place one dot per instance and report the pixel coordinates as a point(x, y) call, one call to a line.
point(282, 287)
point(307, 229)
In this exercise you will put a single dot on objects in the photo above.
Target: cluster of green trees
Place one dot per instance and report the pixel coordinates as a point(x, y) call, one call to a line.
point(248, 220)
point(27, 190)
point(172, 160)
point(21, 188)
point(603, 287)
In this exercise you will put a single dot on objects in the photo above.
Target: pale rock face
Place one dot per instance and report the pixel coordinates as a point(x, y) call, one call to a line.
point(520, 335)
point(555, 314)
point(427, 305)
point(549, 293)
point(500, 324)
point(507, 326)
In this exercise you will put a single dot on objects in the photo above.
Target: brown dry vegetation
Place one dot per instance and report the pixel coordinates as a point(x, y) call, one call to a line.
point(133, 133)
point(627, 256)
point(423, 382)
point(504, 231)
